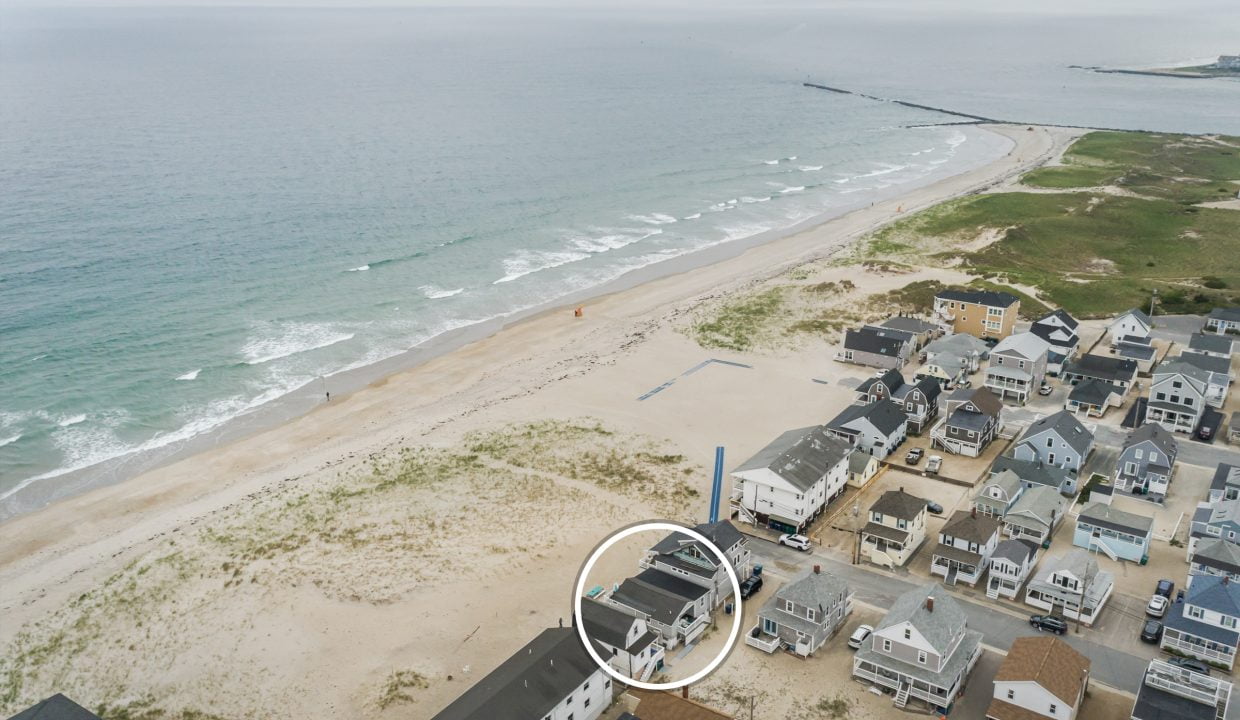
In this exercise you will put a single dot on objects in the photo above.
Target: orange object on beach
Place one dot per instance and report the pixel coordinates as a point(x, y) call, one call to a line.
point(579, 312)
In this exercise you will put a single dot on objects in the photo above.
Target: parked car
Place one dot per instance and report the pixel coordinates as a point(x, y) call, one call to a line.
point(1165, 588)
point(797, 542)
point(966, 383)
point(1045, 390)
point(933, 464)
point(1205, 432)
point(1193, 664)
point(1152, 631)
point(934, 507)
point(1157, 606)
point(859, 636)
point(1049, 623)
point(750, 586)
point(914, 456)
point(1179, 595)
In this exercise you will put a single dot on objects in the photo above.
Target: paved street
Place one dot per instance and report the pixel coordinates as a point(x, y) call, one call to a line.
point(1115, 667)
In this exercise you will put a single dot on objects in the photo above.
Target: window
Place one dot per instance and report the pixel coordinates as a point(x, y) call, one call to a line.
point(908, 634)
point(1054, 708)
point(586, 704)
point(1229, 621)
point(788, 605)
point(811, 615)
point(1130, 468)
point(568, 700)
point(1011, 694)
point(886, 645)
point(1050, 442)
point(1153, 456)
point(1195, 612)
point(585, 687)
point(921, 656)
point(1050, 459)
point(607, 682)
point(1160, 396)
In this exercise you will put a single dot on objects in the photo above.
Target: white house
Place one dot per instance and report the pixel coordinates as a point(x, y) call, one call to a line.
point(634, 648)
point(1059, 440)
point(966, 543)
point(1068, 583)
point(1133, 323)
point(877, 428)
point(551, 677)
point(1058, 329)
point(1017, 366)
point(1177, 396)
point(789, 482)
point(1040, 677)
point(1010, 565)
point(683, 557)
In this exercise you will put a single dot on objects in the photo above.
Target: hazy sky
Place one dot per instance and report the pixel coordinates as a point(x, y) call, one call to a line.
point(1041, 7)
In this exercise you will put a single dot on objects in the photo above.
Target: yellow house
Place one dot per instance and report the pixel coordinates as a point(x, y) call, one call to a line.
point(981, 313)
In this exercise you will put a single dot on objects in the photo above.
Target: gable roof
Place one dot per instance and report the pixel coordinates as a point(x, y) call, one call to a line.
point(800, 456)
point(883, 414)
point(1137, 313)
point(660, 596)
point(530, 683)
point(1008, 482)
point(1223, 511)
point(1225, 474)
point(972, 526)
point(1031, 472)
point(899, 504)
point(1212, 342)
point(1230, 314)
point(1180, 366)
point(1061, 315)
point(1156, 435)
point(858, 461)
point(1102, 367)
point(984, 399)
point(909, 324)
point(875, 340)
point(1208, 363)
point(940, 626)
point(1016, 550)
point(722, 533)
point(1049, 333)
point(56, 707)
point(1049, 662)
point(1041, 503)
point(1217, 553)
point(958, 343)
point(664, 705)
point(814, 590)
point(1065, 425)
point(606, 623)
point(1103, 515)
point(1078, 562)
point(1215, 592)
point(990, 298)
point(1092, 392)
point(1026, 345)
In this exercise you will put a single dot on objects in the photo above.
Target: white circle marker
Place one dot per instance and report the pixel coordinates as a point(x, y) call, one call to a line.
point(666, 527)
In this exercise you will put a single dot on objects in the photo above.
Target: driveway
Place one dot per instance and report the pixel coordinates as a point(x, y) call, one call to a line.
point(1177, 328)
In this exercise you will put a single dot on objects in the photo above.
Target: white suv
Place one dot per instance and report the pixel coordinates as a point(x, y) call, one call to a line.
point(799, 542)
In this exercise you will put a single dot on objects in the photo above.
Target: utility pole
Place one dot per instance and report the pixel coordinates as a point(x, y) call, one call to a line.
point(1153, 302)
point(1080, 608)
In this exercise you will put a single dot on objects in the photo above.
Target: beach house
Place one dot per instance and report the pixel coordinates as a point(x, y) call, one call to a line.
point(877, 428)
point(1177, 396)
point(684, 557)
point(966, 543)
point(981, 313)
point(633, 650)
point(1040, 677)
point(877, 347)
point(861, 467)
point(788, 483)
point(1132, 323)
point(1170, 692)
point(1119, 373)
point(895, 529)
point(1140, 350)
point(551, 677)
point(1224, 320)
point(1010, 565)
point(918, 400)
point(1225, 484)
point(1071, 585)
point(997, 493)
point(1217, 373)
point(1017, 366)
point(1219, 346)
point(1146, 462)
point(1058, 329)
point(666, 705)
point(1214, 556)
point(674, 607)
point(1093, 398)
point(1205, 625)
point(1217, 520)
point(1058, 440)
point(1035, 515)
point(922, 649)
point(1113, 532)
point(972, 419)
point(1035, 474)
point(802, 615)
point(952, 358)
point(922, 330)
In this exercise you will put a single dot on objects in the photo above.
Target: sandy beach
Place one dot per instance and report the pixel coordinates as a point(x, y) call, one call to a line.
point(375, 556)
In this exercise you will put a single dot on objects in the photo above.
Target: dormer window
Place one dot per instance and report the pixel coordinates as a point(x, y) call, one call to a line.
point(908, 634)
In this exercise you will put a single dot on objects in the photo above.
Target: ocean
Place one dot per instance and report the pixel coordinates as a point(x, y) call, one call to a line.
point(208, 211)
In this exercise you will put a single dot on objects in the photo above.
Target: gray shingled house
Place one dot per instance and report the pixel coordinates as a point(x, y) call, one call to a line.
point(877, 347)
point(634, 648)
point(677, 609)
point(1146, 462)
point(1059, 440)
point(800, 616)
point(877, 428)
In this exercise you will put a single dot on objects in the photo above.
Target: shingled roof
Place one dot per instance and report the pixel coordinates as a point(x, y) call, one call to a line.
point(56, 707)
point(885, 415)
point(899, 504)
point(940, 626)
point(801, 457)
point(972, 526)
point(1049, 662)
point(1065, 425)
point(990, 298)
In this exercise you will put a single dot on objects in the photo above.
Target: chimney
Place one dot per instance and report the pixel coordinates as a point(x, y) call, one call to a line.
point(817, 569)
point(973, 512)
point(684, 692)
point(930, 603)
point(901, 488)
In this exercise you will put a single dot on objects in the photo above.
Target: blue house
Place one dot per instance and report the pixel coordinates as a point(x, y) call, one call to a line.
point(1204, 626)
point(1115, 533)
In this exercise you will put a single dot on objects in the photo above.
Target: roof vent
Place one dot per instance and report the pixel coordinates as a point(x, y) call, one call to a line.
point(930, 603)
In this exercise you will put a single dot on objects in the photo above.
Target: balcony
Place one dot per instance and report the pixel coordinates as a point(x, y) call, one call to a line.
point(756, 638)
point(689, 627)
point(1193, 686)
point(1198, 650)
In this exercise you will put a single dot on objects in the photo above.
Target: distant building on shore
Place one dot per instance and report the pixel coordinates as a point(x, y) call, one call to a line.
point(1228, 62)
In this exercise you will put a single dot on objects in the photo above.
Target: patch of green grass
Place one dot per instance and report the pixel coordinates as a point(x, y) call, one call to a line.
point(396, 688)
point(1071, 176)
point(1030, 307)
point(741, 324)
point(146, 708)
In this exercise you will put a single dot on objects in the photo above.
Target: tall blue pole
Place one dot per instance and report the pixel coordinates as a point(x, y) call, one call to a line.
point(716, 489)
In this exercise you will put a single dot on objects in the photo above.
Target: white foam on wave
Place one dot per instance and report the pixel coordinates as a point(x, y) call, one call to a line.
point(957, 139)
point(694, 216)
point(435, 293)
point(10, 440)
point(770, 162)
point(793, 189)
point(359, 268)
point(654, 218)
point(810, 168)
point(72, 420)
point(608, 239)
point(748, 200)
point(529, 262)
point(791, 158)
point(292, 339)
point(191, 375)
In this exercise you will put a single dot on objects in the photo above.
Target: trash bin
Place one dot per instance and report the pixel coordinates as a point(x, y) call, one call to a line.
point(757, 570)
point(727, 608)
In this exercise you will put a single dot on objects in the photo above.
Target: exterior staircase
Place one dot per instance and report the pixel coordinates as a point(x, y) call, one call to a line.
point(647, 672)
point(1100, 544)
point(992, 589)
point(902, 694)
